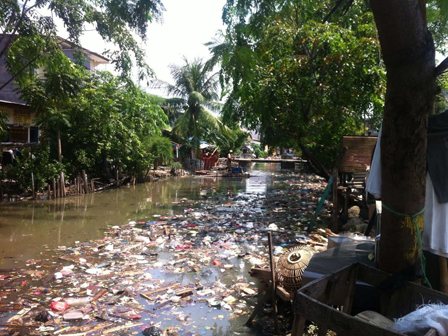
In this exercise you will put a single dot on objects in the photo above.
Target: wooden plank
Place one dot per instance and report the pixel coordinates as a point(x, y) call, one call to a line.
point(158, 290)
point(351, 290)
point(283, 294)
point(335, 226)
point(184, 292)
point(259, 306)
point(298, 325)
point(50, 277)
point(337, 321)
point(274, 286)
point(427, 294)
point(371, 275)
point(431, 332)
point(261, 273)
point(400, 303)
point(99, 294)
point(317, 288)
point(126, 326)
point(359, 153)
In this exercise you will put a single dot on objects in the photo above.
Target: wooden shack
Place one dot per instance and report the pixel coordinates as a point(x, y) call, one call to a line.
point(349, 173)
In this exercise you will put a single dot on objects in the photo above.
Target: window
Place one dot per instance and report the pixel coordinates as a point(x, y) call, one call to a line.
point(34, 134)
point(18, 134)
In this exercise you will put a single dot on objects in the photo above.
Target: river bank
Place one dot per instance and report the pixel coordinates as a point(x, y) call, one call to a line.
point(203, 245)
point(83, 185)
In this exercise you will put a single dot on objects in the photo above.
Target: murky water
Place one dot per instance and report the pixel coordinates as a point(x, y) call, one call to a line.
point(27, 228)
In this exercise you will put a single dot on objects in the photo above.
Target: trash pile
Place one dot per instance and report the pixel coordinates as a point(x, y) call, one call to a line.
point(170, 275)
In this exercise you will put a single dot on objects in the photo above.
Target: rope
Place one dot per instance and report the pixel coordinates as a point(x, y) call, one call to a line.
point(419, 239)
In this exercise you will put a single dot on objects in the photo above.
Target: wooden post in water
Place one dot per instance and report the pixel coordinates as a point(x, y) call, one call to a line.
point(32, 185)
point(116, 175)
point(92, 184)
point(274, 286)
point(2, 196)
point(55, 195)
point(86, 186)
point(49, 191)
point(62, 185)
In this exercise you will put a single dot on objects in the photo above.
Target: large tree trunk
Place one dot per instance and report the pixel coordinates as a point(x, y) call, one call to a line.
point(408, 52)
point(314, 162)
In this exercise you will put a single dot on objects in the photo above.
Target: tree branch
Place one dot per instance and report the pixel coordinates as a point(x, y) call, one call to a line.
point(16, 27)
point(18, 72)
point(25, 11)
point(441, 68)
point(335, 8)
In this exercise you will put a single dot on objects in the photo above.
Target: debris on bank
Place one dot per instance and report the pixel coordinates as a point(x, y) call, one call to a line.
point(170, 275)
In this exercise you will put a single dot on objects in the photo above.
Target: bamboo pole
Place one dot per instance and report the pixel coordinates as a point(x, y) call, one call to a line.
point(62, 185)
point(32, 185)
point(86, 186)
point(274, 286)
point(443, 274)
point(55, 195)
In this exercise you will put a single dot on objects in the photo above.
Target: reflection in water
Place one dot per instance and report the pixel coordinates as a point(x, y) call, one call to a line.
point(27, 228)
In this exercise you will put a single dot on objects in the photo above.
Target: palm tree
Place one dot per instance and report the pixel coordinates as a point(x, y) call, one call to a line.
point(197, 86)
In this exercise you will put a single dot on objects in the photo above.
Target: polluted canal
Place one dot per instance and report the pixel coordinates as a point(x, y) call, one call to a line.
point(171, 257)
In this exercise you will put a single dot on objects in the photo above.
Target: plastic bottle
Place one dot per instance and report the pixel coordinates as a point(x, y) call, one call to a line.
point(72, 302)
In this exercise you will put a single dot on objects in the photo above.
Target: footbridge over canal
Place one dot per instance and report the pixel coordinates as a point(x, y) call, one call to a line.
point(285, 163)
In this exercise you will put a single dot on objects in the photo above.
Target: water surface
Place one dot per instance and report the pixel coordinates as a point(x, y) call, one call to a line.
point(29, 227)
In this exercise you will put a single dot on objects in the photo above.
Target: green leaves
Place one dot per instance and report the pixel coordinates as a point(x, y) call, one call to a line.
point(196, 88)
point(123, 23)
point(298, 79)
point(159, 148)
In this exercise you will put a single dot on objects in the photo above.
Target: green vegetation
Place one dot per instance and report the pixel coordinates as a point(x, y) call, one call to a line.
point(108, 123)
point(301, 78)
point(38, 162)
point(258, 151)
point(196, 87)
point(123, 23)
point(161, 149)
point(89, 121)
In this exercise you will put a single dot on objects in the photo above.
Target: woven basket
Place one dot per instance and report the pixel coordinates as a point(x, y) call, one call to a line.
point(291, 265)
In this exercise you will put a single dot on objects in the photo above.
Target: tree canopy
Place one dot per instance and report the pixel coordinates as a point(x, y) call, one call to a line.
point(301, 77)
point(118, 22)
point(196, 87)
